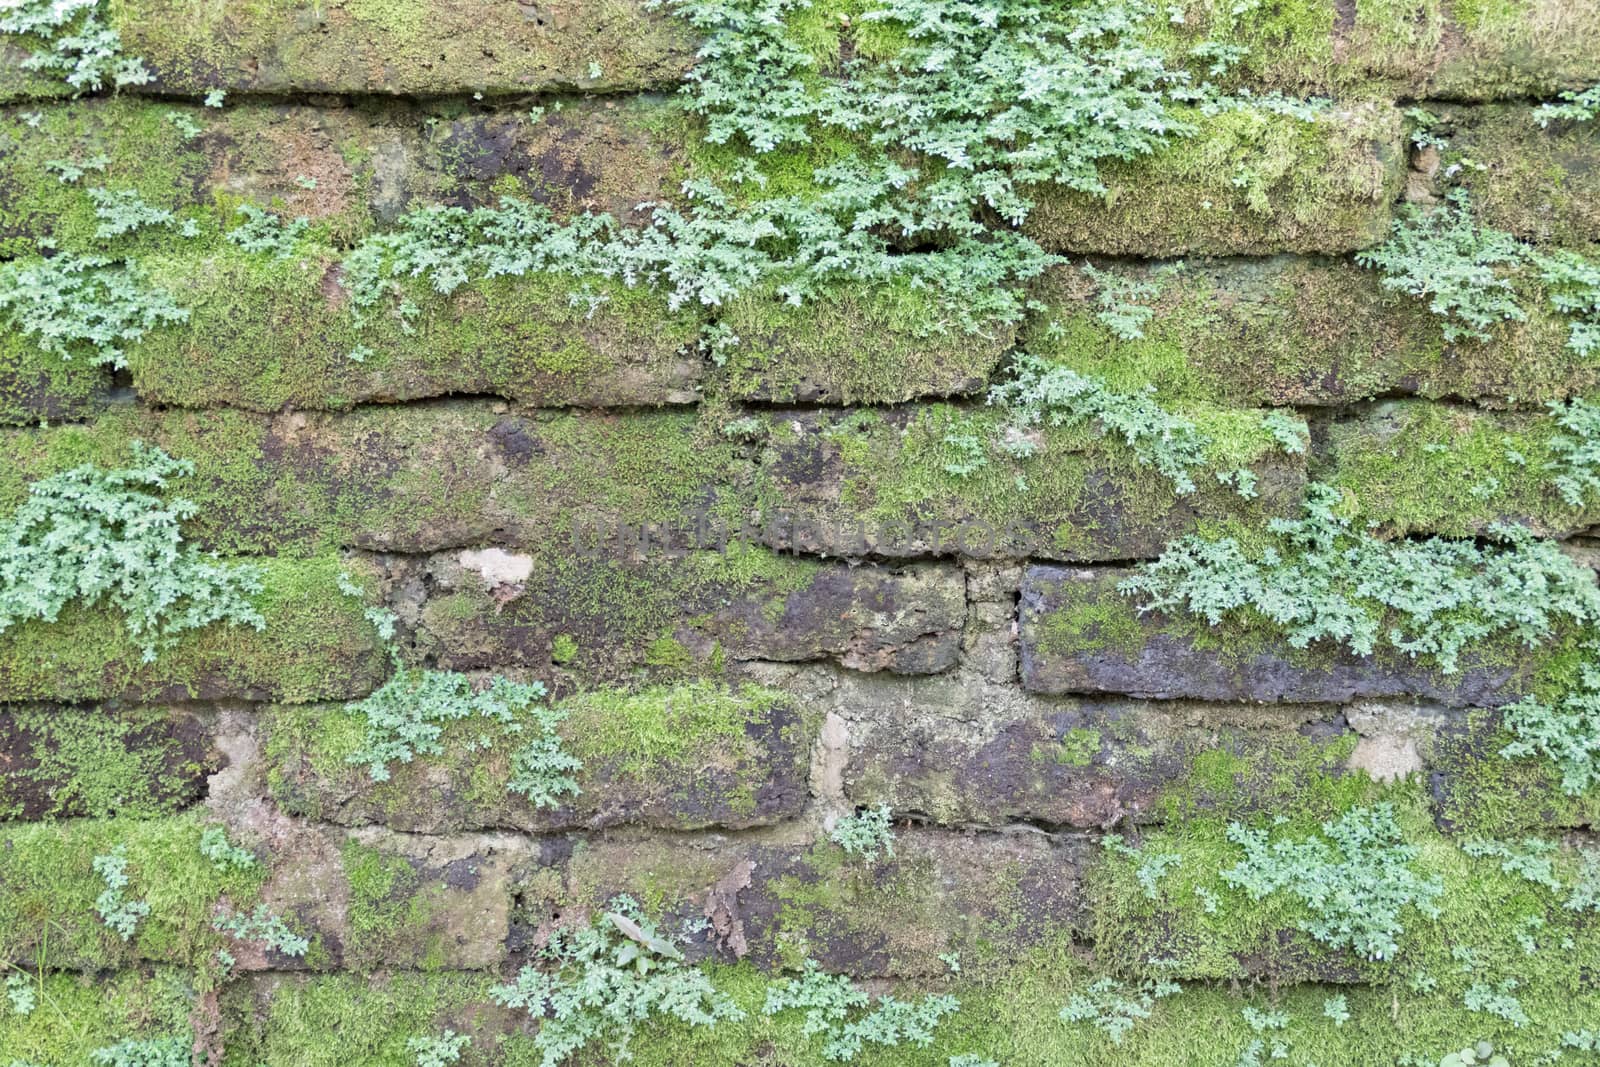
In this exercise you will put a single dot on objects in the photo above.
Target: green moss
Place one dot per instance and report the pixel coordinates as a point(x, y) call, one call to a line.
point(100, 763)
point(861, 346)
point(1423, 468)
point(1295, 331)
point(1540, 183)
point(77, 1014)
point(1481, 793)
point(271, 333)
point(315, 646)
point(639, 734)
point(1482, 908)
point(48, 889)
point(1080, 495)
point(144, 150)
point(1267, 772)
point(392, 910)
point(1092, 623)
point(337, 1020)
point(36, 387)
point(1077, 747)
point(1506, 49)
point(1249, 182)
point(564, 649)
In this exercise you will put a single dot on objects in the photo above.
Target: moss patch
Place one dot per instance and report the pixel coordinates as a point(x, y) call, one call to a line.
point(76, 1015)
point(315, 646)
point(1250, 182)
point(48, 889)
point(140, 763)
point(1296, 331)
point(266, 333)
point(1424, 468)
point(860, 346)
point(943, 475)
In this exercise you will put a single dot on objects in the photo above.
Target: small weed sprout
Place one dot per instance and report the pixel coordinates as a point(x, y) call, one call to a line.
point(265, 234)
point(1355, 880)
point(116, 910)
point(440, 1050)
point(1585, 895)
point(1460, 268)
point(1114, 1007)
point(223, 854)
point(1043, 394)
point(1325, 581)
point(124, 212)
point(1498, 1000)
point(21, 993)
point(83, 307)
point(865, 833)
point(1480, 1055)
point(407, 717)
point(89, 535)
point(266, 928)
point(79, 47)
point(175, 1051)
point(1122, 300)
point(1574, 107)
point(1151, 866)
point(833, 1006)
point(68, 171)
point(609, 978)
point(1532, 860)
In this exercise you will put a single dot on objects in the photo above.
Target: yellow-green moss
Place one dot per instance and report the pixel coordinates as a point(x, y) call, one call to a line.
point(854, 345)
point(36, 387)
point(268, 333)
point(1295, 331)
point(391, 910)
point(1416, 467)
point(99, 762)
point(315, 646)
point(1249, 182)
point(48, 889)
point(76, 1014)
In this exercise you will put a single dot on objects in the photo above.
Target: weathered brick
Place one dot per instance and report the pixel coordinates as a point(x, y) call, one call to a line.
point(75, 762)
point(423, 48)
point(1250, 182)
point(416, 479)
point(1540, 183)
point(1295, 331)
point(1080, 635)
point(1421, 468)
point(880, 483)
point(347, 170)
point(961, 753)
point(36, 387)
point(1477, 51)
point(880, 344)
point(783, 903)
point(667, 617)
point(679, 758)
point(314, 646)
point(373, 899)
